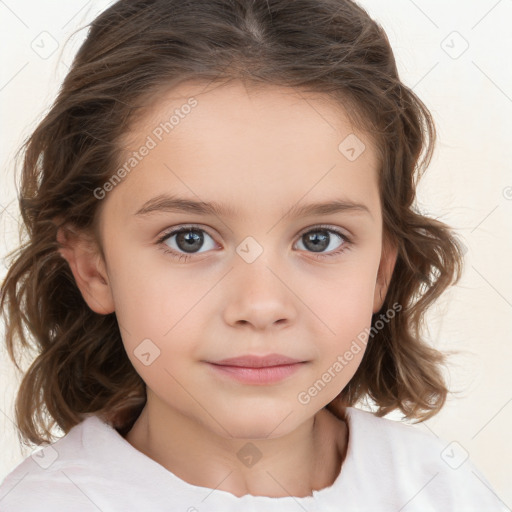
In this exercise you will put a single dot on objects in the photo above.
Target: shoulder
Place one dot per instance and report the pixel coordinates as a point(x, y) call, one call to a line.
point(417, 467)
point(49, 478)
point(400, 441)
point(403, 449)
point(386, 433)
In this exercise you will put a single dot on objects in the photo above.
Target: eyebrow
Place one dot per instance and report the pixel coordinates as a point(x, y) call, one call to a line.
point(168, 203)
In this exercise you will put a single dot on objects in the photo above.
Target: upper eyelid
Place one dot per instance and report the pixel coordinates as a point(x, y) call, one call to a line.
point(181, 227)
point(328, 227)
point(206, 229)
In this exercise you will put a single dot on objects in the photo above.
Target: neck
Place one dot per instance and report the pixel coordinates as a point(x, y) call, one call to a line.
point(306, 459)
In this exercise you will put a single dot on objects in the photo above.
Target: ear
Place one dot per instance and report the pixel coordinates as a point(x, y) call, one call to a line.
point(386, 267)
point(88, 268)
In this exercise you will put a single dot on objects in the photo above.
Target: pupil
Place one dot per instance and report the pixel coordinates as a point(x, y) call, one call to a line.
point(320, 242)
point(190, 239)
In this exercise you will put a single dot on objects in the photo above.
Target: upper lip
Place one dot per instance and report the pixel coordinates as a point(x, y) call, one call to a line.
point(255, 361)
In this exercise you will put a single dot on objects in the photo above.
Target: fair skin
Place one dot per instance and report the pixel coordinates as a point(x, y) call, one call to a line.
point(259, 152)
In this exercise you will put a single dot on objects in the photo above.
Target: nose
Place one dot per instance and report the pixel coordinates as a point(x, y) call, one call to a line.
point(259, 296)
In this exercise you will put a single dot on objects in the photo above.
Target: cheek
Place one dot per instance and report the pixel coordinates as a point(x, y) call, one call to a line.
point(343, 313)
point(342, 300)
point(150, 296)
point(350, 321)
point(345, 323)
point(160, 315)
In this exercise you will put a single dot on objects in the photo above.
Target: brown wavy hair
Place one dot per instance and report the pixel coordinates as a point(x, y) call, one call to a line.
point(134, 52)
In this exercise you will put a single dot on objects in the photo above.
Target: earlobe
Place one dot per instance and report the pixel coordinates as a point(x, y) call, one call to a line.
point(88, 269)
point(386, 267)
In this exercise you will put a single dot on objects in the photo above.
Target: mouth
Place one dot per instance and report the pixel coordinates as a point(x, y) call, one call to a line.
point(257, 370)
point(257, 361)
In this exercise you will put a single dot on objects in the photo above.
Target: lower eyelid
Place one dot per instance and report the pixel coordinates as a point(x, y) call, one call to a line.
point(167, 236)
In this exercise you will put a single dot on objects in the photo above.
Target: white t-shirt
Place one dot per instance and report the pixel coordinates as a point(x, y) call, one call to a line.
point(389, 467)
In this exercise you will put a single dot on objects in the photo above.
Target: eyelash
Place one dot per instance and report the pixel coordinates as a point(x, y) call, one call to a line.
point(185, 257)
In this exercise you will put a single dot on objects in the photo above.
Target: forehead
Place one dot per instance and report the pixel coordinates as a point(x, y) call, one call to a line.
point(202, 109)
point(239, 144)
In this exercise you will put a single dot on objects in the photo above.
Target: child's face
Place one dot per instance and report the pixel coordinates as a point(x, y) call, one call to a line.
point(260, 154)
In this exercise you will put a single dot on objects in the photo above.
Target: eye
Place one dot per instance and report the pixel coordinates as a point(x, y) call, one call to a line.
point(186, 241)
point(319, 238)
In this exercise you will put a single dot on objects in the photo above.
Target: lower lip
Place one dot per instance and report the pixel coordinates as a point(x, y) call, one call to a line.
point(262, 376)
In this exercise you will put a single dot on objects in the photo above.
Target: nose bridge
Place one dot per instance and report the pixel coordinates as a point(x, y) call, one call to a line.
point(261, 259)
point(258, 293)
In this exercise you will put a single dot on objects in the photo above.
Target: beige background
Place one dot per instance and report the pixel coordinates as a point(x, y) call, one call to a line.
point(469, 185)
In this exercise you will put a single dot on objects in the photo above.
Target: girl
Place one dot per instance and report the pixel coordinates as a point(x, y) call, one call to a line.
point(277, 137)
